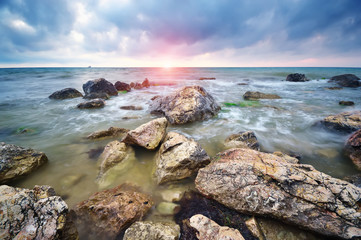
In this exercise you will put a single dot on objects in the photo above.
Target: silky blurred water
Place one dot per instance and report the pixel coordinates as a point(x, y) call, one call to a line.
point(59, 128)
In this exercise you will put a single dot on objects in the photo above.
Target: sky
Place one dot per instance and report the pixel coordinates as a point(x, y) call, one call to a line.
point(180, 33)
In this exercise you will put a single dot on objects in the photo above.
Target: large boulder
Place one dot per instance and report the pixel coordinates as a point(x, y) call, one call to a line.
point(264, 184)
point(112, 132)
point(34, 214)
point(100, 86)
point(186, 105)
point(66, 93)
point(148, 135)
point(179, 157)
point(353, 148)
point(95, 103)
point(152, 231)
point(16, 161)
point(242, 140)
point(296, 77)
point(346, 80)
point(258, 95)
point(121, 86)
point(107, 213)
point(345, 122)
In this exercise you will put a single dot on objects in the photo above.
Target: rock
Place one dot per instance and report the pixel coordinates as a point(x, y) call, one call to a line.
point(167, 208)
point(242, 140)
point(345, 122)
point(258, 95)
point(346, 80)
point(210, 230)
point(148, 135)
point(179, 157)
point(264, 184)
point(138, 86)
point(16, 161)
point(346, 103)
point(95, 95)
point(100, 86)
point(112, 132)
point(354, 179)
point(132, 85)
point(121, 86)
point(152, 231)
point(296, 77)
point(114, 153)
point(66, 93)
point(270, 229)
point(107, 213)
point(353, 148)
point(242, 84)
point(146, 83)
point(207, 78)
point(95, 103)
point(172, 194)
point(130, 117)
point(291, 157)
point(135, 108)
point(34, 214)
point(334, 88)
point(188, 104)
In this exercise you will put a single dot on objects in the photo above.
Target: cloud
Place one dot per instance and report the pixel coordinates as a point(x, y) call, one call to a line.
point(150, 29)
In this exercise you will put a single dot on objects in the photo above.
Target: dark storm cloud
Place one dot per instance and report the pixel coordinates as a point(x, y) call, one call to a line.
point(197, 26)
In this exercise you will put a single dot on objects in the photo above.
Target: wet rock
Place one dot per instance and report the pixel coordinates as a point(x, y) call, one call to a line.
point(132, 85)
point(16, 161)
point(290, 157)
point(34, 214)
point(346, 103)
point(95, 103)
point(258, 95)
point(100, 86)
point(148, 135)
point(172, 194)
point(95, 95)
point(179, 157)
point(346, 80)
point(188, 104)
point(152, 231)
point(242, 140)
point(146, 83)
point(107, 213)
point(210, 230)
point(134, 108)
point(242, 84)
point(66, 93)
point(207, 78)
point(296, 77)
point(334, 88)
point(138, 86)
point(354, 179)
point(345, 122)
point(121, 86)
point(167, 208)
point(114, 153)
point(264, 184)
point(130, 117)
point(94, 153)
point(353, 148)
point(112, 132)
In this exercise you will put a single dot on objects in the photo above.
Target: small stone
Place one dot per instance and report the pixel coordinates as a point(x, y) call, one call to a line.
point(131, 108)
point(172, 195)
point(95, 103)
point(258, 95)
point(346, 103)
point(168, 208)
point(246, 139)
point(207, 78)
point(112, 132)
point(152, 231)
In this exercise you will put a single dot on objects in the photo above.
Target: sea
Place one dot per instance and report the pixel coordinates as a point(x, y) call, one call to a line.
point(28, 118)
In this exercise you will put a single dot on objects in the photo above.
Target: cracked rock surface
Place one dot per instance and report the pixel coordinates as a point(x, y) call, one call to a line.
point(152, 231)
point(264, 184)
point(33, 214)
point(246, 139)
point(16, 161)
point(353, 148)
point(346, 121)
point(189, 104)
point(179, 157)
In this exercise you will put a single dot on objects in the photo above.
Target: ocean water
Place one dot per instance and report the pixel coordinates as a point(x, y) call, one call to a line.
point(58, 128)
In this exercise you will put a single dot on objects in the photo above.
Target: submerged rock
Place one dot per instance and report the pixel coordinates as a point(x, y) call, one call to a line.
point(134, 108)
point(210, 230)
point(112, 132)
point(107, 213)
point(346, 103)
point(152, 231)
point(95, 95)
point(334, 88)
point(121, 86)
point(167, 208)
point(264, 184)
point(242, 140)
point(207, 78)
point(346, 80)
point(258, 95)
point(66, 93)
point(346, 121)
point(353, 148)
point(186, 105)
point(296, 77)
point(95, 103)
point(34, 214)
point(100, 86)
point(148, 135)
point(179, 157)
point(16, 161)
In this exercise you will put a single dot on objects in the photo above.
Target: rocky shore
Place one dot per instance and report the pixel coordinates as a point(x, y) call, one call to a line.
point(242, 192)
